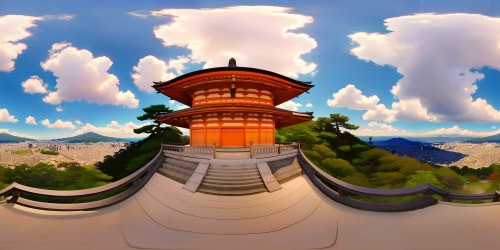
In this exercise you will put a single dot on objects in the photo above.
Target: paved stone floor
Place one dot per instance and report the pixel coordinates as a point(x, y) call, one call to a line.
point(164, 216)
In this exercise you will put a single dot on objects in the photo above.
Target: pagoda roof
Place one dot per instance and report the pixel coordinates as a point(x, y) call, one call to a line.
point(282, 118)
point(180, 88)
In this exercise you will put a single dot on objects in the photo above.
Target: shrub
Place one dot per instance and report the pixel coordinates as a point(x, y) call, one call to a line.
point(324, 151)
point(49, 152)
point(21, 152)
point(337, 167)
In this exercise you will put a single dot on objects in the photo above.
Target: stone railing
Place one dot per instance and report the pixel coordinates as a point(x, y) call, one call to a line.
point(53, 199)
point(349, 194)
point(272, 150)
point(203, 151)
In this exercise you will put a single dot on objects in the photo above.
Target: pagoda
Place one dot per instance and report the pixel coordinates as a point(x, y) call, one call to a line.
point(232, 106)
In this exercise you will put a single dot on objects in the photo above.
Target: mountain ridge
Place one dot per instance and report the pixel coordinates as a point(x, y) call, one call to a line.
point(8, 138)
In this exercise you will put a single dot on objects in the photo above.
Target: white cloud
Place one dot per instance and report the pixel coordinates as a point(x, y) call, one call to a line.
point(380, 129)
point(81, 76)
point(13, 28)
point(34, 85)
point(352, 98)
point(309, 105)
point(31, 120)
point(5, 116)
point(140, 14)
point(290, 105)
point(179, 107)
point(3, 130)
point(59, 109)
point(113, 129)
point(438, 56)
point(457, 131)
point(60, 17)
point(58, 124)
point(150, 69)
point(256, 36)
point(78, 122)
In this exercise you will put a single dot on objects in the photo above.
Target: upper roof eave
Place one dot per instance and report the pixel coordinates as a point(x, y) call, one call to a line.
point(221, 69)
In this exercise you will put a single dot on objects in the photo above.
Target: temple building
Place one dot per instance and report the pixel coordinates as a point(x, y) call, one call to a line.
point(232, 106)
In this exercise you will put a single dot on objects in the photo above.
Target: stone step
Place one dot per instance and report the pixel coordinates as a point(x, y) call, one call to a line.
point(232, 192)
point(234, 178)
point(234, 186)
point(225, 171)
point(225, 182)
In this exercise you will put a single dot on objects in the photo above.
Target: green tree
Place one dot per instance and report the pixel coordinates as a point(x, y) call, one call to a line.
point(340, 121)
point(169, 134)
point(422, 177)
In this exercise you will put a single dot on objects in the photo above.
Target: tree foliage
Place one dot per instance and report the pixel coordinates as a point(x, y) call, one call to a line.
point(67, 176)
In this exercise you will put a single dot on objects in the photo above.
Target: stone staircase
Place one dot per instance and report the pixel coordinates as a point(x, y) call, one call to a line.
point(178, 170)
point(232, 178)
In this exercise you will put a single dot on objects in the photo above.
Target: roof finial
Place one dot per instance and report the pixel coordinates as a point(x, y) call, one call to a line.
point(232, 62)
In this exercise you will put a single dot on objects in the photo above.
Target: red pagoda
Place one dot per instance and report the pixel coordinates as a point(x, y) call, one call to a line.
point(232, 106)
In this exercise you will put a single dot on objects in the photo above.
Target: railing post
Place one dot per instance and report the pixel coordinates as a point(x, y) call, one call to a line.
point(497, 196)
point(214, 152)
point(15, 196)
point(251, 149)
point(279, 149)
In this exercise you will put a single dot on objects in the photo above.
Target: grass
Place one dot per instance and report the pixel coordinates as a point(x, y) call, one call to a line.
point(49, 152)
point(21, 152)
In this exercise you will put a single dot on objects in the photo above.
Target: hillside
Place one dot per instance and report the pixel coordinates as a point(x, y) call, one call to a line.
point(493, 138)
point(89, 137)
point(8, 138)
point(419, 150)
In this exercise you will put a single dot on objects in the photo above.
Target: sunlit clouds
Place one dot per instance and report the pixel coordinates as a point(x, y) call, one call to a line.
point(5, 116)
point(150, 69)
point(439, 56)
point(13, 28)
point(247, 33)
point(83, 77)
point(34, 85)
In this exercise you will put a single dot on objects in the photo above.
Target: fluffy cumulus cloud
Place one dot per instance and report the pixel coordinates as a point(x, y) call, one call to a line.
point(13, 28)
point(58, 124)
point(113, 129)
point(380, 129)
point(256, 36)
point(150, 69)
point(438, 56)
point(309, 105)
point(290, 105)
point(352, 98)
point(34, 85)
point(5, 116)
point(31, 120)
point(83, 77)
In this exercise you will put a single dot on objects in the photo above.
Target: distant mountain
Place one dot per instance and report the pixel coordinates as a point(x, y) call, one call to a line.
point(493, 138)
point(433, 139)
point(419, 150)
point(90, 137)
point(8, 138)
point(397, 142)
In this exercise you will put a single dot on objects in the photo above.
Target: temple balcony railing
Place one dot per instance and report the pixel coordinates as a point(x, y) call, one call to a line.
point(257, 151)
point(351, 195)
point(207, 152)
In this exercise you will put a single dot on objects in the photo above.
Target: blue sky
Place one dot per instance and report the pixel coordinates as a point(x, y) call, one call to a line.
point(402, 68)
